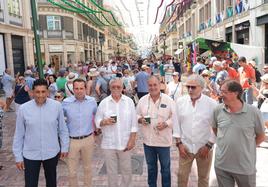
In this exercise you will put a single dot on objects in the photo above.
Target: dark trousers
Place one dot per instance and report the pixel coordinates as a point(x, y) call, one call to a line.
point(141, 94)
point(32, 170)
point(152, 154)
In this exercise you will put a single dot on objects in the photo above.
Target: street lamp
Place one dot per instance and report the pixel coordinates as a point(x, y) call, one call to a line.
point(101, 40)
point(118, 52)
point(163, 36)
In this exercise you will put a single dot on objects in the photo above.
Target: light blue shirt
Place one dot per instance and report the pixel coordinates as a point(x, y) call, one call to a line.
point(29, 81)
point(7, 82)
point(198, 67)
point(79, 115)
point(142, 78)
point(38, 129)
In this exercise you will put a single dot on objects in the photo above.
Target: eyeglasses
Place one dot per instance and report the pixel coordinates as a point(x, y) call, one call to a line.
point(191, 87)
point(57, 96)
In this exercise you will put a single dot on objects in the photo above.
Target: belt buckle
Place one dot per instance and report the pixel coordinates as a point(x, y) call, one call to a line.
point(81, 137)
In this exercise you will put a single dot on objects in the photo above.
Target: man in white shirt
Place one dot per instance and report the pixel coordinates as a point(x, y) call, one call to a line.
point(116, 116)
point(193, 133)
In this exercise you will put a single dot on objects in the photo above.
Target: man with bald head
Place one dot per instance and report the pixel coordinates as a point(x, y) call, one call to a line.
point(193, 132)
point(156, 114)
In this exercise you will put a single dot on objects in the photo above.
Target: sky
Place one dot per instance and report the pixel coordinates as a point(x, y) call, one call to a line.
point(138, 17)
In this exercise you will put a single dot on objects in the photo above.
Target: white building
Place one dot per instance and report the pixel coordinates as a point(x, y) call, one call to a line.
point(242, 22)
point(16, 37)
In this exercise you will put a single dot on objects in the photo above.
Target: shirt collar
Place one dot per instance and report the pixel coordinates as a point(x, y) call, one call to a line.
point(243, 110)
point(73, 98)
point(123, 97)
point(199, 99)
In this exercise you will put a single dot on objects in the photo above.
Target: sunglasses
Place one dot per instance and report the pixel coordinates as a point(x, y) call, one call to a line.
point(116, 87)
point(57, 97)
point(191, 87)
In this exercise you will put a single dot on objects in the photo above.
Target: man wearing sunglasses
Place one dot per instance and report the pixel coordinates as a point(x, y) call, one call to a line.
point(193, 132)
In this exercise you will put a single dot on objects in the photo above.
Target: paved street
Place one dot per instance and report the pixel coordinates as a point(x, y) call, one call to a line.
point(11, 177)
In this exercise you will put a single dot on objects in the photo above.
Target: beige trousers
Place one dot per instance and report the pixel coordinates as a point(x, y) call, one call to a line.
point(80, 148)
point(113, 158)
point(203, 169)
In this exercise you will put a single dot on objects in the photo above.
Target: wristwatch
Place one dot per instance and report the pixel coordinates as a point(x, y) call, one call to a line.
point(209, 145)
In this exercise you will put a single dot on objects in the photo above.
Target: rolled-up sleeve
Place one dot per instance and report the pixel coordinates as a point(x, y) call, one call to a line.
point(18, 140)
point(99, 115)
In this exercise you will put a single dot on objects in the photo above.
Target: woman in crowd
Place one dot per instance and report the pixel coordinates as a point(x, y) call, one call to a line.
point(91, 84)
point(69, 84)
point(21, 92)
point(175, 87)
point(59, 96)
point(52, 86)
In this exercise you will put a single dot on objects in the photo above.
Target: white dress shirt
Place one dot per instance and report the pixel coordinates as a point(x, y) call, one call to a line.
point(194, 127)
point(116, 136)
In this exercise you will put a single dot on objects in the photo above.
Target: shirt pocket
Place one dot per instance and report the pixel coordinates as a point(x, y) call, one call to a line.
point(249, 132)
point(223, 126)
point(164, 114)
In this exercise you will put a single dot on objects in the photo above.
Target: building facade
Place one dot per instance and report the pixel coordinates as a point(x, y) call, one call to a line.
point(242, 22)
point(16, 37)
point(66, 37)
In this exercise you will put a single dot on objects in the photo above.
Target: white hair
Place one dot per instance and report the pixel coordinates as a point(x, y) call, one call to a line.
point(114, 80)
point(197, 78)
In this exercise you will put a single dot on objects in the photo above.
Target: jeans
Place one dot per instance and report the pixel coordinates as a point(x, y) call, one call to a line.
point(32, 170)
point(152, 154)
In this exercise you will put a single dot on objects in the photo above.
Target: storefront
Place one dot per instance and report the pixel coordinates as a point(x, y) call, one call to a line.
point(56, 56)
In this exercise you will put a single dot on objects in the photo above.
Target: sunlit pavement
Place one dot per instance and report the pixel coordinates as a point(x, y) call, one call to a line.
point(11, 177)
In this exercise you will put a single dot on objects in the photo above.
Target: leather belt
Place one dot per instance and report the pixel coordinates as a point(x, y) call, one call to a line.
point(80, 137)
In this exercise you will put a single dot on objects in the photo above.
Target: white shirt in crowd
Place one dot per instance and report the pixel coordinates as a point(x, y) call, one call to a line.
point(116, 136)
point(194, 122)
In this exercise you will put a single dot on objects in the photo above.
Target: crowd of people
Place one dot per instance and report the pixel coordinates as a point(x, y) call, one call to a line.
point(58, 117)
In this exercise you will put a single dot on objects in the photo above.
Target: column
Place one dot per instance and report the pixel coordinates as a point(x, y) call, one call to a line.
point(65, 58)
point(46, 48)
point(26, 14)
point(9, 55)
point(28, 50)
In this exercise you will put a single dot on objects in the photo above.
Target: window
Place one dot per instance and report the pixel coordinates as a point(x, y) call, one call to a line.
point(14, 7)
point(229, 3)
point(53, 23)
point(201, 15)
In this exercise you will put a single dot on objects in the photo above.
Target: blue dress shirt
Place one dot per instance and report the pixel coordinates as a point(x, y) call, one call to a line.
point(38, 129)
point(142, 78)
point(80, 115)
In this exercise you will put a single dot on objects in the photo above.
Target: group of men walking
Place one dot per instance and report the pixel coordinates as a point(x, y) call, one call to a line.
point(47, 130)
